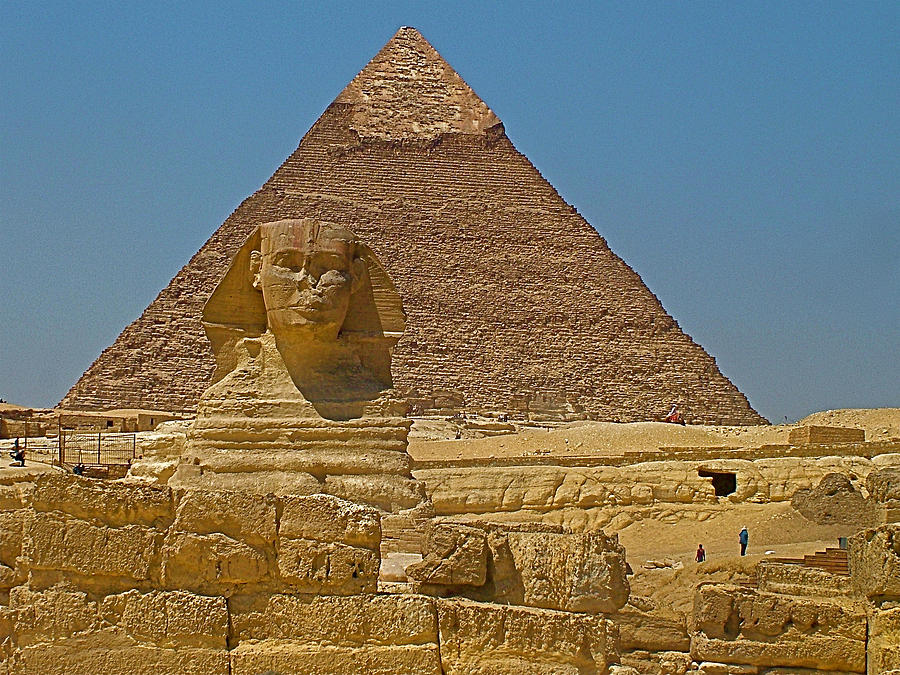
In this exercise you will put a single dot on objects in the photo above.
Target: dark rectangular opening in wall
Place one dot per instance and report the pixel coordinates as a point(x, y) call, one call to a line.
point(724, 482)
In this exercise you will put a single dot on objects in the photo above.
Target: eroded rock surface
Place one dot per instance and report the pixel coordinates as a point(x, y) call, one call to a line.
point(739, 625)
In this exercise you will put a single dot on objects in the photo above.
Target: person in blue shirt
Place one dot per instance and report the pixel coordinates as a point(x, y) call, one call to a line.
point(744, 538)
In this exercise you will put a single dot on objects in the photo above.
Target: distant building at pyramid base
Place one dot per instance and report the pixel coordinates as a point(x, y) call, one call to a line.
point(514, 302)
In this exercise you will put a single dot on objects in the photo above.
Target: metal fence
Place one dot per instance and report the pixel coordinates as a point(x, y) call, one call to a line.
point(96, 449)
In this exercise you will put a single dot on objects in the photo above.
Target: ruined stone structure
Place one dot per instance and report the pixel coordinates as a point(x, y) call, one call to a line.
point(514, 301)
point(115, 578)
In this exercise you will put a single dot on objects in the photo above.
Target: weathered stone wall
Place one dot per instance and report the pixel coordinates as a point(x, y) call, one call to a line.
point(119, 579)
point(738, 625)
point(541, 489)
point(534, 565)
point(511, 295)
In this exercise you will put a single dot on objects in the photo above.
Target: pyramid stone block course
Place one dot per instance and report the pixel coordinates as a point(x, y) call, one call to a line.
point(510, 294)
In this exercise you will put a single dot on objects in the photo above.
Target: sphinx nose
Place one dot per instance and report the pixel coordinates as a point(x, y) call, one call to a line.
point(305, 279)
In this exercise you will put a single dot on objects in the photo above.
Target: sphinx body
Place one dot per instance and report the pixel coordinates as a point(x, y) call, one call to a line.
point(302, 327)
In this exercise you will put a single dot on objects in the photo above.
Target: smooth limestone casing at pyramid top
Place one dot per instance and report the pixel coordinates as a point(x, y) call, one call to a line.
point(509, 292)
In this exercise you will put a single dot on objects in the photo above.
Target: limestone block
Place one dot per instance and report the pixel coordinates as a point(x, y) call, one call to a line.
point(256, 482)
point(52, 614)
point(327, 568)
point(15, 496)
point(875, 561)
point(740, 625)
point(542, 565)
point(336, 457)
point(113, 503)
point(328, 634)
point(329, 519)
point(812, 671)
point(246, 517)
point(822, 434)
point(170, 619)
point(454, 554)
point(884, 484)
point(390, 493)
point(153, 469)
point(835, 500)
point(9, 576)
point(657, 663)
point(89, 656)
point(11, 527)
point(272, 656)
point(364, 619)
point(491, 639)
point(210, 563)
point(7, 626)
point(53, 541)
point(773, 577)
point(565, 570)
point(646, 631)
point(713, 668)
point(884, 640)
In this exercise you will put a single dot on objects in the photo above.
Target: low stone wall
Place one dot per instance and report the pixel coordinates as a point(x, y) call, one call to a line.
point(118, 578)
point(501, 489)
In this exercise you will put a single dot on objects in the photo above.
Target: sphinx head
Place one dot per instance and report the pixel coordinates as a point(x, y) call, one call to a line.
point(310, 284)
point(307, 272)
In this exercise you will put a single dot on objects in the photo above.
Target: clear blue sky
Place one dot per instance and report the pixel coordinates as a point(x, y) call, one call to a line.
point(742, 157)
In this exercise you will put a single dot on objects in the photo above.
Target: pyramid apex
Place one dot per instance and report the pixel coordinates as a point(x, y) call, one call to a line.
point(408, 92)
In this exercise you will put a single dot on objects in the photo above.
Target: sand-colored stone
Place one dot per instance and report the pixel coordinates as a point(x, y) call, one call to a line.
point(169, 619)
point(90, 656)
point(329, 519)
point(53, 541)
point(884, 484)
point(739, 625)
point(536, 565)
point(773, 577)
point(883, 649)
point(486, 486)
point(811, 433)
point(357, 634)
point(336, 569)
point(648, 632)
point(491, 639)
point(211, 563)
point(453, 555)
point(835, 500)
point(875, 561)
point(244, 517)
point(113, 505)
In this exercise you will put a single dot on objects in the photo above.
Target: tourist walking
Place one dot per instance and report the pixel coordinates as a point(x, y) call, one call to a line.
point(744, 538)
point(701, 554)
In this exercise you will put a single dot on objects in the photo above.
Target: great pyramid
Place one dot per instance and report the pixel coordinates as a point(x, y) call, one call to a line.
point(513, 300)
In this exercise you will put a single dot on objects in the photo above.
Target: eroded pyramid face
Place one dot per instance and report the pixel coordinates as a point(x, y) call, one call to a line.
point(514, 302)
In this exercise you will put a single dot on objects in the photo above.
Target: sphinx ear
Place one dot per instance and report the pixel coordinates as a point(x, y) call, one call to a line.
point(255, 265)
point(359, 273)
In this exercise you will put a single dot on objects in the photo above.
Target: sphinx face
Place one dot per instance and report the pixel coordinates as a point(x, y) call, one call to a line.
point(306, 278)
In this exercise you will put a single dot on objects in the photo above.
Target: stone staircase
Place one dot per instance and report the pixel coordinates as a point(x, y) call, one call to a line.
point(833, 560)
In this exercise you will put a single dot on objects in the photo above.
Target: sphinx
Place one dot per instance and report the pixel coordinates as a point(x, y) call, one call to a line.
point(302, 327)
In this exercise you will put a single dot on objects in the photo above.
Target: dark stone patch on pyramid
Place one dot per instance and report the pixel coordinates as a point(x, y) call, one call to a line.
point(513, 299)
